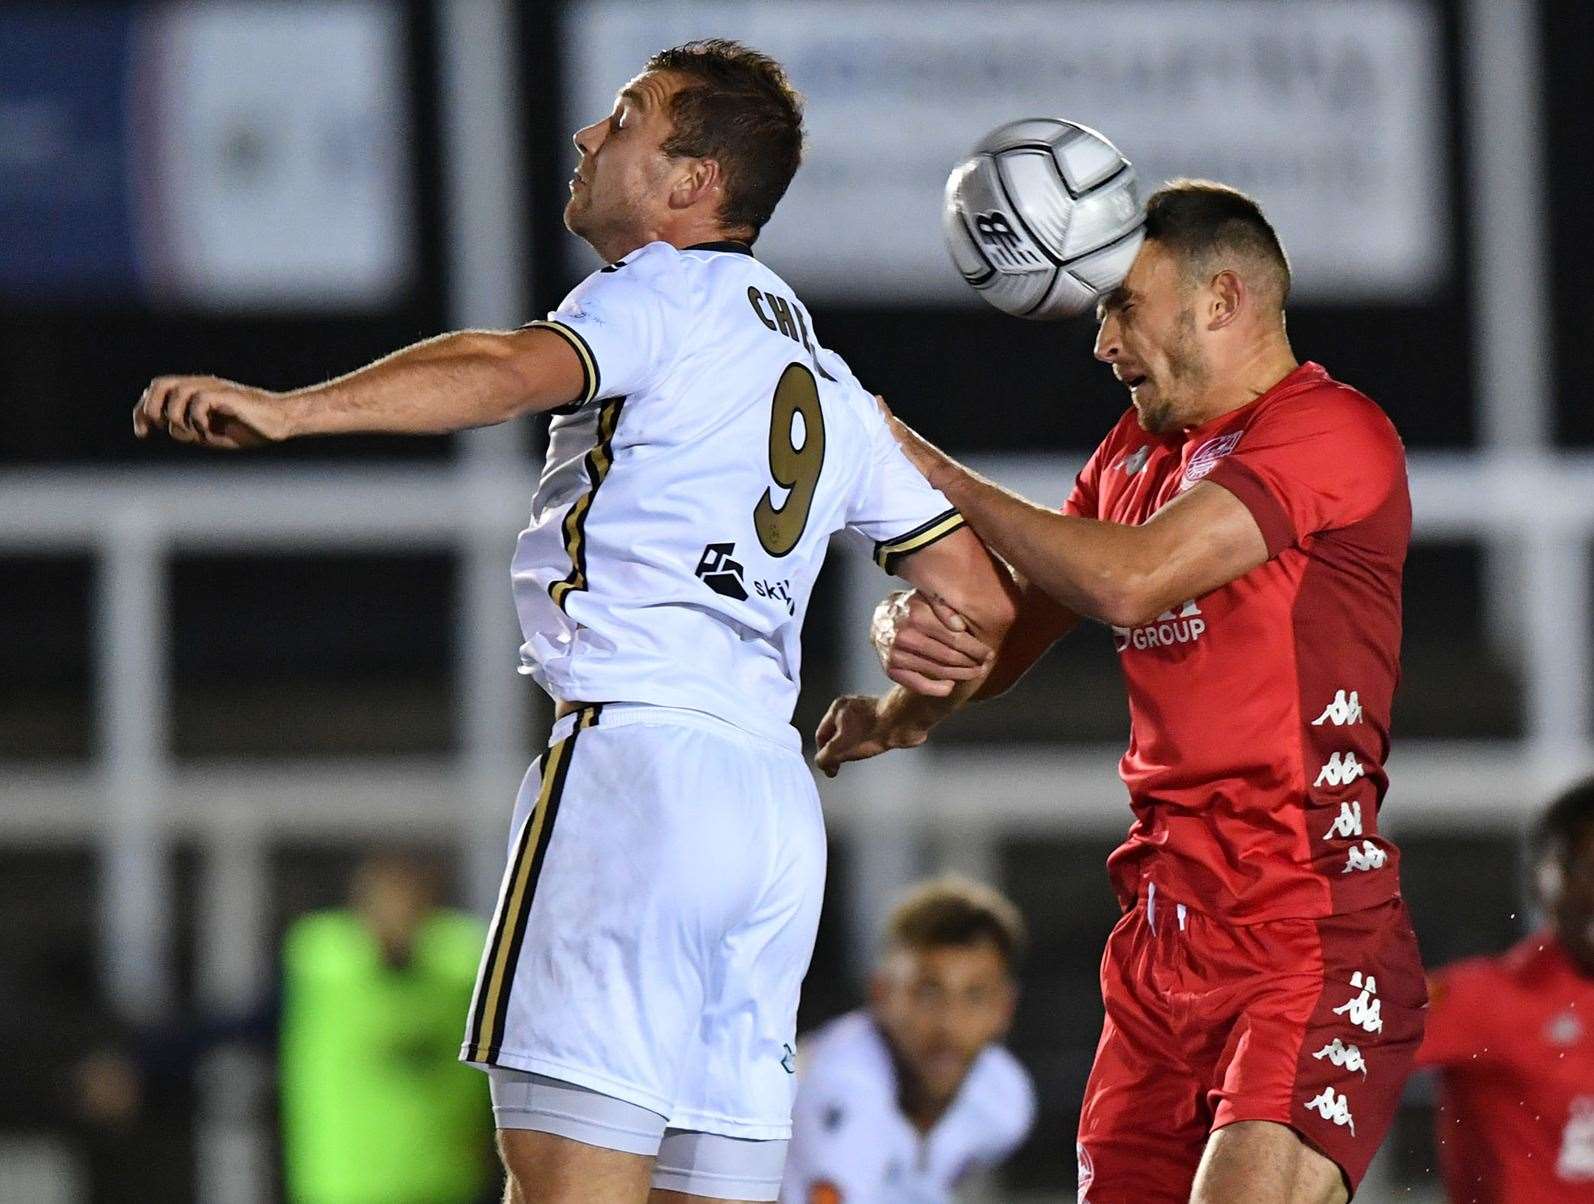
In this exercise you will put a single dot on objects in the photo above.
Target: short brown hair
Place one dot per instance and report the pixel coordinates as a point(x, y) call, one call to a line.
point(956, 911)
point(1204, 221)
point(741, 110)
point(1562, 825)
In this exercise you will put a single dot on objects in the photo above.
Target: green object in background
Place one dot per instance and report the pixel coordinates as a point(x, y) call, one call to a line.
point(376, 1108)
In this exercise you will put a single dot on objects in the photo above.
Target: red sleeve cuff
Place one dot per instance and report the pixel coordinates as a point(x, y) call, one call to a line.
point(1255, 496)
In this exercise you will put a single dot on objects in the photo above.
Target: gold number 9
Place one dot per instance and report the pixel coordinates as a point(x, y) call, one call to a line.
point(794, 468)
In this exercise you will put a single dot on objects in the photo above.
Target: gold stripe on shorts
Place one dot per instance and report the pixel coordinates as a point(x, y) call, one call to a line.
point(490, 1007)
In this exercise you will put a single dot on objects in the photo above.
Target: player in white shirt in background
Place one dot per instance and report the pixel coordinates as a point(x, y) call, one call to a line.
point(899, 1103)
point(636, 1003)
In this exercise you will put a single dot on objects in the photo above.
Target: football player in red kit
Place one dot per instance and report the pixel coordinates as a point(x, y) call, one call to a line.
point(1243, 529)
point(1513, 1038)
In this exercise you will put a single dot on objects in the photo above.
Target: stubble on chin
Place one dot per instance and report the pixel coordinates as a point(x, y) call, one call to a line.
point(1155, 418)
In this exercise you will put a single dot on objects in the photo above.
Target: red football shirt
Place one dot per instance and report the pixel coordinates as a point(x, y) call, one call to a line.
point(1260, 711)
point(1511, 1037)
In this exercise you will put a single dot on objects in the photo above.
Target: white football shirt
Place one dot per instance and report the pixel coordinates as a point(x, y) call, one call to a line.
point(851, 1143)
point(688, 498)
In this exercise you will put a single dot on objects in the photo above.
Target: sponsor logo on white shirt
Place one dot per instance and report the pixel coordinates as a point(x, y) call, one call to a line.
point(1368, 857)
point(1344, 710)
point(1341, 770)
point(1181, 625)
point(1363, 1009)
point(1331, 1105)
point(1341, 1054)
point(1347, 823)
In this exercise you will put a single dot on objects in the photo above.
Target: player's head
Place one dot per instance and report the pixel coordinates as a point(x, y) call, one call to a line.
point(701, 145)
point(1563, 856)
point(392, 891)
point(1209, 284)
point(945, 986)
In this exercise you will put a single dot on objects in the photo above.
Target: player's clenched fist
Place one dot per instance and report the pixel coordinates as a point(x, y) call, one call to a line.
point(924, 645)
point(211, 411)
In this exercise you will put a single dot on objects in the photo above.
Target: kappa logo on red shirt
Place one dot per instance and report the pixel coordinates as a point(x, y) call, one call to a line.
point(1135, 460)
point(1208, 454)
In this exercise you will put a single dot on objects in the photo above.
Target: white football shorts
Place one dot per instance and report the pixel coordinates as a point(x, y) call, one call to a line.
point(656, 919)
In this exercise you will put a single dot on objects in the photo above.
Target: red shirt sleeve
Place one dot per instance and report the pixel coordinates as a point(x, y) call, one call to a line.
point(1084, 499)
point(1315, 461)
point(1458, 1011)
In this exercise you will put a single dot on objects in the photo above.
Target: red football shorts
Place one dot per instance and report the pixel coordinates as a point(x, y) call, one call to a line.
point(1307, 1023)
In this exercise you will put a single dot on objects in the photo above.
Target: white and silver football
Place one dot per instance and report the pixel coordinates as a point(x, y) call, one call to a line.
point(1043, 217)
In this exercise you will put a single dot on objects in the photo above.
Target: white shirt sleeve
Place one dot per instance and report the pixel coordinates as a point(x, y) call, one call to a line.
point(894, 505)
point(625, 322)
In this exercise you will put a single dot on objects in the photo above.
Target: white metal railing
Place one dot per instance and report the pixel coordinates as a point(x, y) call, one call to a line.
point(135, 799)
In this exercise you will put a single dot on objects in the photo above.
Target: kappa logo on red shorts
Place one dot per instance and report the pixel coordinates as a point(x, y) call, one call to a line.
point(1208, 454)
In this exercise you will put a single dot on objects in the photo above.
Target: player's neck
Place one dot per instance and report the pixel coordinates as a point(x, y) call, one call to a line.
point(922, 1111)
point(695, 231)
point(914, 1101)
point(1263, 365)
point(693, 234)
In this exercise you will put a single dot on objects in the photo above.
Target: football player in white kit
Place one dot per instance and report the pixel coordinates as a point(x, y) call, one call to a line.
point(899, 1103)
point(636, 1004)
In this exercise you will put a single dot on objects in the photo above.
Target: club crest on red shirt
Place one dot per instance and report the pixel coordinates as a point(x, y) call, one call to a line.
point(1208, 454)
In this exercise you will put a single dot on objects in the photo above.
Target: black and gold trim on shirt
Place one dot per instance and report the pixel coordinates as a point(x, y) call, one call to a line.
point(589, 362)
point(889, 553)
point(599, 460)
point(489, 1009)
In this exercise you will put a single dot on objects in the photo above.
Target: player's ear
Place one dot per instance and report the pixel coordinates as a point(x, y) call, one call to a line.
point(1225, 295)
point(699, 179)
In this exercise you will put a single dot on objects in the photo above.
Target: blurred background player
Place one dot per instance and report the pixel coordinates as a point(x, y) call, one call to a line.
point(1243, 529)
point(375, 1107)
point(636, 1003)
point(900, 1103)
point(1512, 1037)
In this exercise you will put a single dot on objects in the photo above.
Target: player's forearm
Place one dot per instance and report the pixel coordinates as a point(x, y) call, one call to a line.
point(1104, 571)
point(449, 383)
point(907, 718)
point(1041, 621)
point(1013, 659)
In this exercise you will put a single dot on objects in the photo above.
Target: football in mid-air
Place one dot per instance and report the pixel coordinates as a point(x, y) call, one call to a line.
point(1043, 217)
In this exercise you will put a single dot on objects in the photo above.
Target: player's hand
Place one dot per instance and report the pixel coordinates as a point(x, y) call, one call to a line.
point(854, 729)
point(922, 454)
point(211, 411)
point(924, 645)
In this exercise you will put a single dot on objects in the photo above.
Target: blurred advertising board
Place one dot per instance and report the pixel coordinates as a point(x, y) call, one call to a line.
point(224, 155)
point(1332, 113)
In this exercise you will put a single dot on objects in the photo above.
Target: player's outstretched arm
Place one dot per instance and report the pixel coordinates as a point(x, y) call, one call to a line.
point(448, 383)
point(1120, 574)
